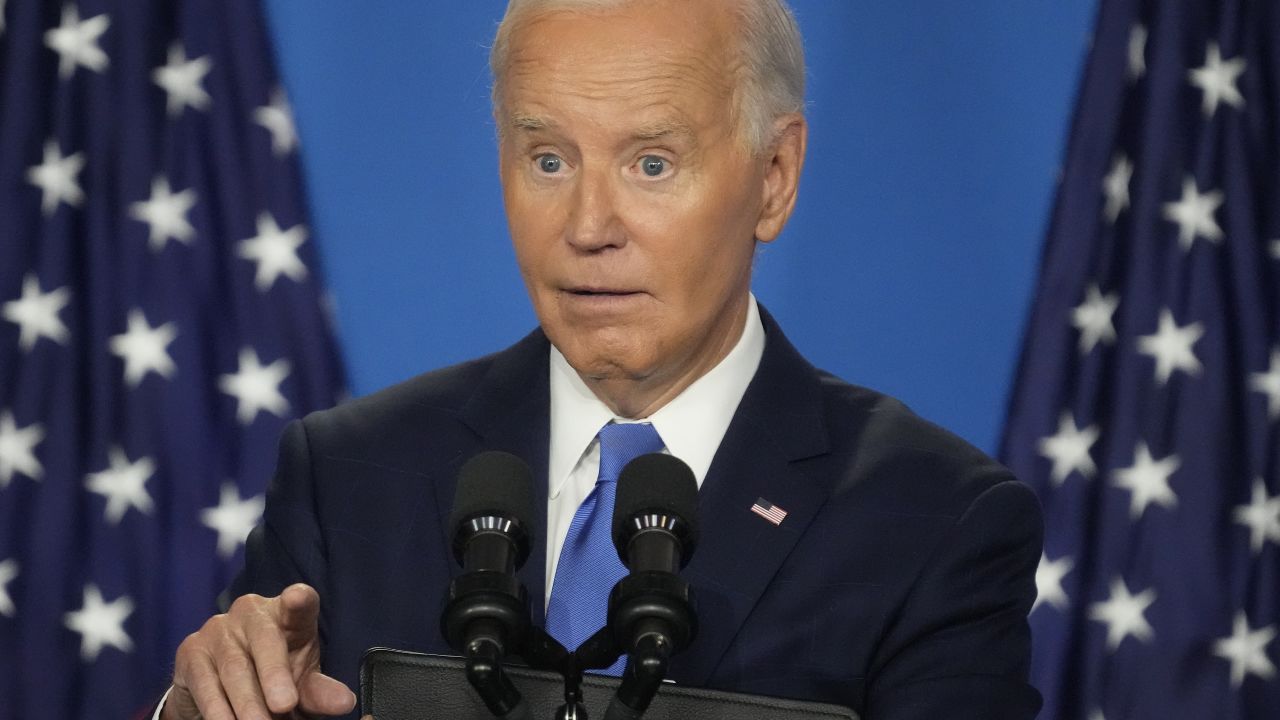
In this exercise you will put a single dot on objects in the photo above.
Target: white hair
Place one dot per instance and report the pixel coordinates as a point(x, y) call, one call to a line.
point(770, 84)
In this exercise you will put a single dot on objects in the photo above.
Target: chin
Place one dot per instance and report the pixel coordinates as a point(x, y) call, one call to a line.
point(609, 356)
point(586, 347)
point(598, 365)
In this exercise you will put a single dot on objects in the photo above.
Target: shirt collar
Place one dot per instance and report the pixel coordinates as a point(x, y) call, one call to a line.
point(691, 425)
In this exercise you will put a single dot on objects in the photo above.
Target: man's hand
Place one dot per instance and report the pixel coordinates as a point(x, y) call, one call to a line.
point(262, 658)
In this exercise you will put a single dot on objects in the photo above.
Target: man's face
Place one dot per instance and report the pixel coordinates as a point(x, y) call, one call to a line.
point(632, 204)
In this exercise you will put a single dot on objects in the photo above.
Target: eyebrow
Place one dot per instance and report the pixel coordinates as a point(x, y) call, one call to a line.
point(665, 129)
point(521, 121)
point(655, 131)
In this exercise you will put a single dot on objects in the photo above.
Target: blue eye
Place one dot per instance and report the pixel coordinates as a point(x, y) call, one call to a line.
point(549, 164)
point(652, 165)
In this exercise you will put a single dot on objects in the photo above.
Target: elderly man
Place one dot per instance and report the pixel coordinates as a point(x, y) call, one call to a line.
point(647, 147)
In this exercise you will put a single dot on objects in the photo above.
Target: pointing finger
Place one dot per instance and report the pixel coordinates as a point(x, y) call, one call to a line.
point(298, 612)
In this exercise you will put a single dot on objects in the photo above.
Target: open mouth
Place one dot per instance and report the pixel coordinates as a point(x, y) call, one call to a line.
point(600, 292)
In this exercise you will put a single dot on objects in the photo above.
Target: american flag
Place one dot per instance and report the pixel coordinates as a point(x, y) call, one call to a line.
point(1146, 406)
point(769, 511)
point(160, 320)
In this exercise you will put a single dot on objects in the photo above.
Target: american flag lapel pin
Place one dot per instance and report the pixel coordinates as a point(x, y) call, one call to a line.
point(769, 511)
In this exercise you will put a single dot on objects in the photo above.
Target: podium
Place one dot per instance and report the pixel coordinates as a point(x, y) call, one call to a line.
point(401, 685)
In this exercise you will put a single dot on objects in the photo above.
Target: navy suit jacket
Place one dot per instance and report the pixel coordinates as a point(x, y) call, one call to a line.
point(898, 584)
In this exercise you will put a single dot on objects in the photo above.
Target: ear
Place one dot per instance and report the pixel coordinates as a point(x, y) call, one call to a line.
point(783, 163)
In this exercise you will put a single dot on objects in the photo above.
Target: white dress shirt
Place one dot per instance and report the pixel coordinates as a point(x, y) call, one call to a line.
point(691, 425)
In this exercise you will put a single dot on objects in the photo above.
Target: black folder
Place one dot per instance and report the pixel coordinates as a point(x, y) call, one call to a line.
point(400, 685)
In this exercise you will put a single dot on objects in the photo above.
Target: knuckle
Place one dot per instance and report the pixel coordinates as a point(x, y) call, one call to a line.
point(190, 644)
point(212, 627)
point(266, 640)
point(246, 603)
point(233, 664)
point(184, 660)
point(217, 633)
point(202, 641)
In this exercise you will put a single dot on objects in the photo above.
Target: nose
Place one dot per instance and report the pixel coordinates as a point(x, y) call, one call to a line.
point(594, 223)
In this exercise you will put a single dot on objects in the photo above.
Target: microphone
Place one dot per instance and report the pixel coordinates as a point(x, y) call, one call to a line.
point(487, 613)
point(491, 510)
point(651, 610)
point(655, 514)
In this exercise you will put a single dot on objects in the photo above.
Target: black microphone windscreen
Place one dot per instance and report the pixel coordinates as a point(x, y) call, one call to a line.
point(494, 483)
point(656, 483)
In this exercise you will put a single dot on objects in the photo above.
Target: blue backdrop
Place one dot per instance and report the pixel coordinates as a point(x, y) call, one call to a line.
point(937, 132)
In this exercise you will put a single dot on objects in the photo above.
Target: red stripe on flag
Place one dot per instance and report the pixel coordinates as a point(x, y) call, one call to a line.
point(769, 511)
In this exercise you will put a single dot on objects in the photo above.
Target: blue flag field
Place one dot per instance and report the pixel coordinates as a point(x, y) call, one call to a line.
point(1147, 403)
point(161, 318)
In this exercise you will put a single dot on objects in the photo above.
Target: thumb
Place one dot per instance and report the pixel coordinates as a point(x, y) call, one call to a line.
point(320, 694)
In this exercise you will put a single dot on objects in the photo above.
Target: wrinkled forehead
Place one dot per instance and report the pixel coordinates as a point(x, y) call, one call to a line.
point(655, 48)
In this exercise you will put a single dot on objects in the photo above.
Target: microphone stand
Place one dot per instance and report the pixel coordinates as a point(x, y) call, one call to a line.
point(640, 682)
point(652, 612)
point(487, 612)
point(485, 673)
point(492, 609)
point(543, 652)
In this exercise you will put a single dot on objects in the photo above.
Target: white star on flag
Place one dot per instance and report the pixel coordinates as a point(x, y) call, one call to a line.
point(277, 118)
point(123, 484)
point(56, 176)
point(76, 42)
point(1137, 52)
point(181, 79)
point(1275, 249)
point(1261, 516)
point(36, 313)
point(1116, 187)
point(275, 251)
point(1148, 480)
point(1123, 614)
point(1246, 649)
point(1069, 449)
point(1171, 347)
point(100, 623)
point(1097, 715)
point(1268, 383)
point(144, 349)
point(1194, 214)
point(256, 387)
point(165, 213)
point(18, 449)
point(232, 518)
point(1049, 574)
point(1093, 318)
point(1217, 78)
point(2, 16)
point(8, 568)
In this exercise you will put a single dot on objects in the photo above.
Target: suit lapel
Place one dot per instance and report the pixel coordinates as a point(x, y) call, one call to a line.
point(778, 422)
point(509, 411)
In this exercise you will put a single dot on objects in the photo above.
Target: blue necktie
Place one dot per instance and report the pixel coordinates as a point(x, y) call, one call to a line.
point(589, 565)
